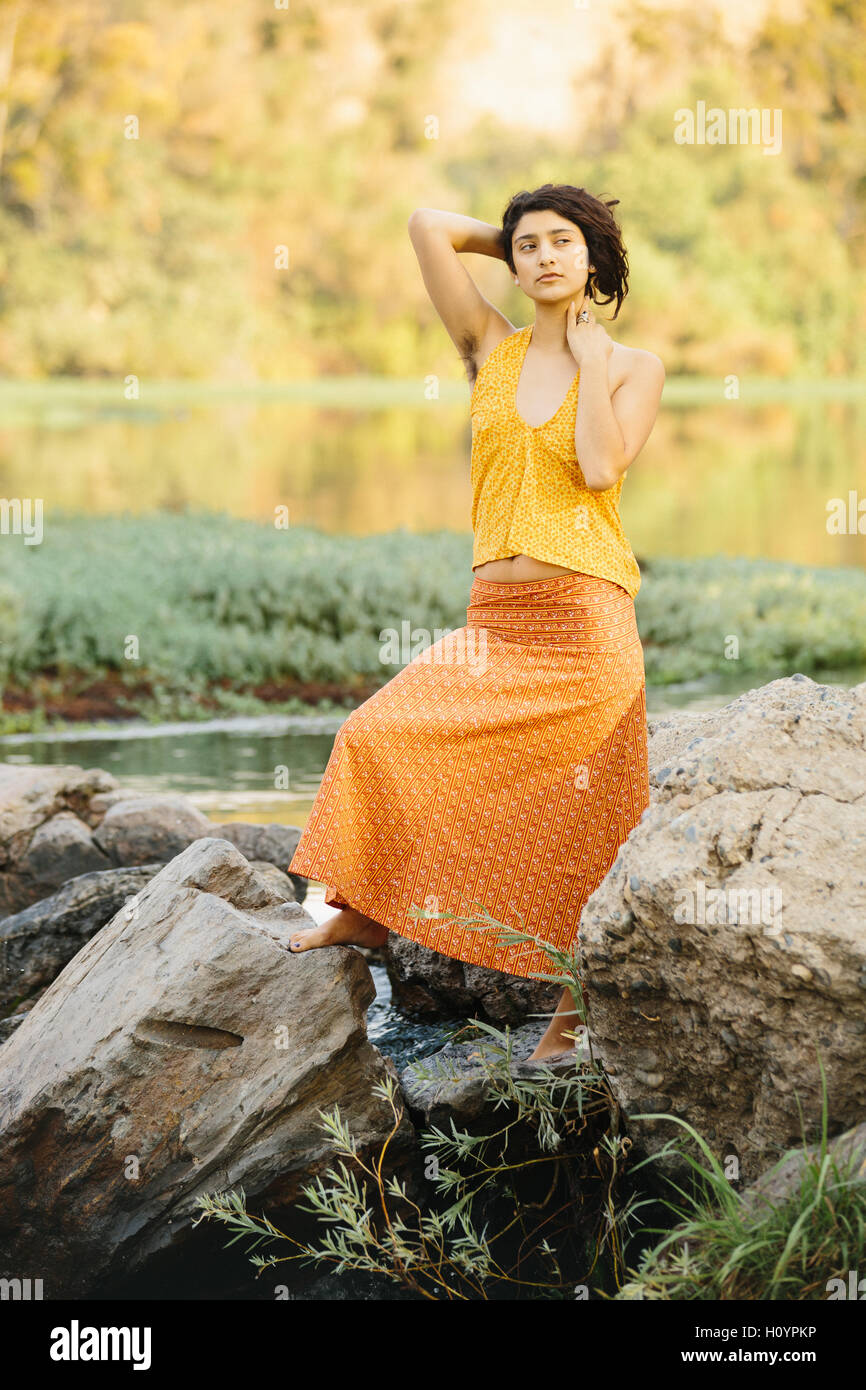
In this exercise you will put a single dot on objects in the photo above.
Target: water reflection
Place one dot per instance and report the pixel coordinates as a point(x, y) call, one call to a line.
point(731, 477)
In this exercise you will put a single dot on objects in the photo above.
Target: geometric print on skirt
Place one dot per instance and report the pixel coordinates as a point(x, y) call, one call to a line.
point(503, 767)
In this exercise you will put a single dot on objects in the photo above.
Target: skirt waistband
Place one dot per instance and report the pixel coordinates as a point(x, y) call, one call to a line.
point(567, 609)
point(576, 581)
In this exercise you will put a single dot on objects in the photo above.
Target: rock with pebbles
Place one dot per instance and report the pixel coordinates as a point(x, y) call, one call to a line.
point(726, 949)
point(57, 823)
point(454, 1083)
point(185, 1050)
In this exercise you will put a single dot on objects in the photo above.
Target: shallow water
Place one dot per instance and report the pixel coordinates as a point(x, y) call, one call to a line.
point(402, 1039)
point(268, 767)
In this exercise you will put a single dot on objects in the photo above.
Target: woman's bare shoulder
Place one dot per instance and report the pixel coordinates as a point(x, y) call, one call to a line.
point(628, 363)
point(636, 359)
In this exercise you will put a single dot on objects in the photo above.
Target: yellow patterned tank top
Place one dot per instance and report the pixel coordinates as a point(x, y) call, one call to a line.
point(529, 496)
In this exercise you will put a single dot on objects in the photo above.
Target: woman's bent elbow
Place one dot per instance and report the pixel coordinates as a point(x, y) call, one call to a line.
point(420, 217)
point(601, 482)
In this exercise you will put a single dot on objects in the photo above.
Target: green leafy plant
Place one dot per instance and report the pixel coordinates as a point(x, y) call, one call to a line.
point(239, 637)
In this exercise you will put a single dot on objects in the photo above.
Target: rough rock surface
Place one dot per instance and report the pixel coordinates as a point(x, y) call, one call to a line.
point(57, 823)
point(727, 946)
point(36, 944)
point(427, 984)
point(30, 798)
point(274, 843)
point(184, 1050)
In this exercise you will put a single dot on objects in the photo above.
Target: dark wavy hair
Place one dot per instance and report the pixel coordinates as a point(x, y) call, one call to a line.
point(609, 280)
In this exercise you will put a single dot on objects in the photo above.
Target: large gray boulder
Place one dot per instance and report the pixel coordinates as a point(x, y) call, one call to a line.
point(59, 849)
point(146, 827)
point(184, 1050)
point(726, 949)
point(36, 944)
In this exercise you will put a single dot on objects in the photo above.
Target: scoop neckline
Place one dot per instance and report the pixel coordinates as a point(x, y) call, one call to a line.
point(566, 398)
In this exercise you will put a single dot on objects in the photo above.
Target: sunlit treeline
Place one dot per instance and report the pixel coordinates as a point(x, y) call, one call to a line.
point(210, 191)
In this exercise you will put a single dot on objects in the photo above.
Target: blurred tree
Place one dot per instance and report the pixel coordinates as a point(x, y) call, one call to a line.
point(815, 68)
point(155, 157)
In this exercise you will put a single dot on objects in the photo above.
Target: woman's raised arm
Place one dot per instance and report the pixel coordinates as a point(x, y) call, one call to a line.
point(473, 323)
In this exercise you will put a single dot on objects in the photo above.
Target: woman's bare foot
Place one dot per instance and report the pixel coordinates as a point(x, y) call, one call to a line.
point(555, 1040)
point(346, 928)
point(563, 1047)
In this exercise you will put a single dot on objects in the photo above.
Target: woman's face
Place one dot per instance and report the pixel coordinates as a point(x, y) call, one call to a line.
point(550, 256)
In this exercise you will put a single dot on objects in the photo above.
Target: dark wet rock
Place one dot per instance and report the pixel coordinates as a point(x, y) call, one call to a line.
point(428, 984)
point(37, 943)
point(453, 1084)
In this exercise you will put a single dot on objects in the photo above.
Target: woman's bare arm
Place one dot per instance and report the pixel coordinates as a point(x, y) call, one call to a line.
point(610, 430)
point(474, 325)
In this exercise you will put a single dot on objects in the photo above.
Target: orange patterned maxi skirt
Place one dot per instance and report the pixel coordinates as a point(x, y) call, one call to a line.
point(504, 766)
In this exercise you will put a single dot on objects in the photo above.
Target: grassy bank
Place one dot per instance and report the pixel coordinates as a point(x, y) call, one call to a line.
point(192, 615)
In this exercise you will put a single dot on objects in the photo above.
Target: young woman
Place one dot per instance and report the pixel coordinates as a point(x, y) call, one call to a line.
point(500, 771)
